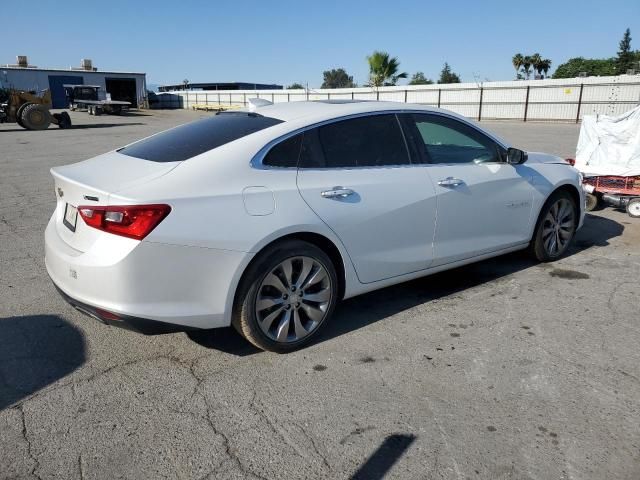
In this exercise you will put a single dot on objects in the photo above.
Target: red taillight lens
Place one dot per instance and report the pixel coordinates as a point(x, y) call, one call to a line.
point(133, 221)
point(570, 161)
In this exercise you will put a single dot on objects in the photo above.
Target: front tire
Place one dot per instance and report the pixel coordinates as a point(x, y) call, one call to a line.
point(35, 117)
point(556, 227)
point(592, 203)
point(286, 296)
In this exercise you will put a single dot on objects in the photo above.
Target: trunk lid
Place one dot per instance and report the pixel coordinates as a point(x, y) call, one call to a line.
point(92, 182)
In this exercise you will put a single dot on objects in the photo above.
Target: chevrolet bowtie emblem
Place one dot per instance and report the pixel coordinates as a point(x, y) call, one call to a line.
point(60, 192)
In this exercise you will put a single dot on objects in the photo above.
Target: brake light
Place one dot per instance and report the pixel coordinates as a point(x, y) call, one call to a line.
point(133, 221)
point(570, 161)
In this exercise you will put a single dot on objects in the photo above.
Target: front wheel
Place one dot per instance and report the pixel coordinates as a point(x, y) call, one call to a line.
point(592, 203)
point(286, 296)
point(556, 227)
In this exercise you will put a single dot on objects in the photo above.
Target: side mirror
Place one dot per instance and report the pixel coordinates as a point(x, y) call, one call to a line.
point(516, 156)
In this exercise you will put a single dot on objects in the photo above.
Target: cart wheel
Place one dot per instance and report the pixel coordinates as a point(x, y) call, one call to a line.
point(633, 207)
point(592, 202)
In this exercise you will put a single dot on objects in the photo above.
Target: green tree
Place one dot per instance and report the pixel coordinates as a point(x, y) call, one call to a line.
point(383, 69)
point(574, 67)
point(337, 78)
point(447, 76)
point(624, 61)
point(295, 86)
point(517, 61)
point(418, 78)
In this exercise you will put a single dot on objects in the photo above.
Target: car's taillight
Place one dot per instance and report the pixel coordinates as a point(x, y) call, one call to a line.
point(570, 161)
point(133, 221)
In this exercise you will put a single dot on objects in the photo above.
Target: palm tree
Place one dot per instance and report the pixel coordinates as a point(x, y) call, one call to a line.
point(545, 66)
point(536, 59)
point(383, 69)
point(517, 61)
point(526, 65)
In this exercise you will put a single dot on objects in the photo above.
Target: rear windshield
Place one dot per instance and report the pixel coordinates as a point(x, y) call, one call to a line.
point(195, 138)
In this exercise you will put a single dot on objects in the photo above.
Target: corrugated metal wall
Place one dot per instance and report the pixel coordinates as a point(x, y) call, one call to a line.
point(561, 100)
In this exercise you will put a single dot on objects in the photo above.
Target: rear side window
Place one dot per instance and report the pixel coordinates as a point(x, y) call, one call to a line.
point(370, 141)
point(195, 138)
point(285, 153)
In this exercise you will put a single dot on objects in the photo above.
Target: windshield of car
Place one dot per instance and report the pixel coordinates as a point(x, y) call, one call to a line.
point(187, 141)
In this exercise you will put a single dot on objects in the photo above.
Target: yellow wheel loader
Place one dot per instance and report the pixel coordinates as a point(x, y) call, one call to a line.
point(31, 111)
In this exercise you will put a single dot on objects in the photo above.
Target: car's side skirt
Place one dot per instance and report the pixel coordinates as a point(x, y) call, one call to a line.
point(359, 289)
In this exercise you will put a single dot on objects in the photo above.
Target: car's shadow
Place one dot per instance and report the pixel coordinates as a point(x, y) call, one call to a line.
point(36, 351)
point(363, 310)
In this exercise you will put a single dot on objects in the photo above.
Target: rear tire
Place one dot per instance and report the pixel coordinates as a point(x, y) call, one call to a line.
point(556, 227)
point(286, 296)
point(633, 207)
point(63, 118)
point(36, 117)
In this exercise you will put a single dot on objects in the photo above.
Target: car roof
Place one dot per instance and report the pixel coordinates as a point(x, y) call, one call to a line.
point(314, 111)
point(299, 114)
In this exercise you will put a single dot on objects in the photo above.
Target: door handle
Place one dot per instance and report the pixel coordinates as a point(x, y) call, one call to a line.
point(450, 182)
point(337, 192)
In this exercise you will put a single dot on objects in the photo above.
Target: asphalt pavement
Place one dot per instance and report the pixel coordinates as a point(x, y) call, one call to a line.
point(506, 369)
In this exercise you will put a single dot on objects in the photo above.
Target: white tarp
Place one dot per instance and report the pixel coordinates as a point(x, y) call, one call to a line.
point(610, 145)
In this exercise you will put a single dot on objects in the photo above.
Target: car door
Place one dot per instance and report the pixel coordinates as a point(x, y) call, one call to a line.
point(484, 204)
point(357, 176)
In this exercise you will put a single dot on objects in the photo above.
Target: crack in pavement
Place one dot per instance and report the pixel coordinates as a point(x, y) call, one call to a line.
point(25, 435)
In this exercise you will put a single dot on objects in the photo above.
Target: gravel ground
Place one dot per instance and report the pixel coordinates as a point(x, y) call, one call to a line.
point(502, 369)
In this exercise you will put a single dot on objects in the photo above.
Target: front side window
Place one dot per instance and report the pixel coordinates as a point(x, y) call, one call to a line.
point(370, 141)
point(445, 140)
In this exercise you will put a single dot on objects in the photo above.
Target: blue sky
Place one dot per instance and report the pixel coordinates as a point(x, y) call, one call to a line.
point(295, 41)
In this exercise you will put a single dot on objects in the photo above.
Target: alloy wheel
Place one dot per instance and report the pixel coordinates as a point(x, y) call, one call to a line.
point(293, 299)
point(558, 227)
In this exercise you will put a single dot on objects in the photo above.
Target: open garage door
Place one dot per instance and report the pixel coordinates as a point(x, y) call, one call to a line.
point(123, 89)
point(58, 95)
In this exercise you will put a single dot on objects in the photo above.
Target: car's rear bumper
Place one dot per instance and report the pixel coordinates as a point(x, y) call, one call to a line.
point(186, 286)
point(140, 325)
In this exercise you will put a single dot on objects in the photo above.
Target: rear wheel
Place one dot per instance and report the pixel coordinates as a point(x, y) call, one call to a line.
point(633, 208)
point(556, 227)
point(36, 117)
point(63, 118)
point(286, 296)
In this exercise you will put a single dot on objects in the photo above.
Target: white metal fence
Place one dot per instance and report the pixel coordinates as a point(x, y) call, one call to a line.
point(558, 100)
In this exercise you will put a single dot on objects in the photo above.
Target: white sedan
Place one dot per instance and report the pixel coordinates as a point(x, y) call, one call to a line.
point(265, 219)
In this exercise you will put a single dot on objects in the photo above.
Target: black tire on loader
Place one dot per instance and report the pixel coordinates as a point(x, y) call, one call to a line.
point(63, 119)
point(36, 117)
point(19, 113)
